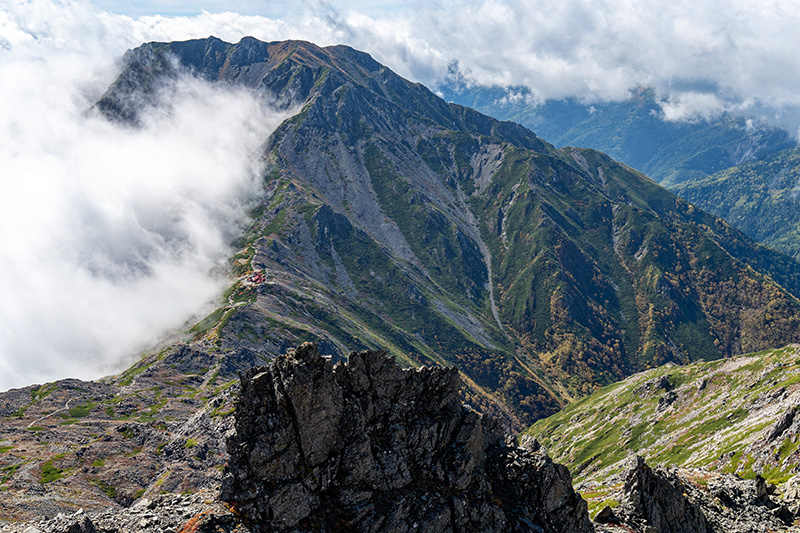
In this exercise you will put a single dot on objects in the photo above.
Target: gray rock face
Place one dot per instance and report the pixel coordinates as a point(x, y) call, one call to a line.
point(369, 446)
point(662, 500)
point(783, 423)
point(655, 384)
point(656, 501)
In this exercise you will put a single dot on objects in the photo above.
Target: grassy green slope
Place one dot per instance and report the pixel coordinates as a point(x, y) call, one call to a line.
point(718, 415)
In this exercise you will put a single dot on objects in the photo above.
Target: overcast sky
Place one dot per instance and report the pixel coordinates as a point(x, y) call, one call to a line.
point(269, 8)
point(110, 237)
point(702, 55)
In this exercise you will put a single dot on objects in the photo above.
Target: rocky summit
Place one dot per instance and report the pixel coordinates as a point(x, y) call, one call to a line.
point(369, 446)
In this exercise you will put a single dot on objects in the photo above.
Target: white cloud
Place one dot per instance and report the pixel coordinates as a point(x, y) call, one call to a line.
point(690, 106)
point(110, 236)
point(590, 49)
point(740, 53)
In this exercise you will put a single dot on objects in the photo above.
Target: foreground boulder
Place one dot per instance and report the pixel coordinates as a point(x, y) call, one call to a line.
point(369, 446)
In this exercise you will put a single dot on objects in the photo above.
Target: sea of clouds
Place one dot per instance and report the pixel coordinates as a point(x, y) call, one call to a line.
point(111, 237)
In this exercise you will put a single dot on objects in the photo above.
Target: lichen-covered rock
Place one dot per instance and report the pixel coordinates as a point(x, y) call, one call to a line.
point(369, 446)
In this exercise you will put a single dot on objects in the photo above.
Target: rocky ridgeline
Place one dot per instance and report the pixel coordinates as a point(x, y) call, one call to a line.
point(368, 446)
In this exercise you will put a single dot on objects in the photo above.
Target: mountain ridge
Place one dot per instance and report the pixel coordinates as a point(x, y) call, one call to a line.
point(370, 403)
point(375, 170)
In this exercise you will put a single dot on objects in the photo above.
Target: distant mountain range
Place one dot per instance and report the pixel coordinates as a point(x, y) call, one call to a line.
point(738, 169)
point(634, 132)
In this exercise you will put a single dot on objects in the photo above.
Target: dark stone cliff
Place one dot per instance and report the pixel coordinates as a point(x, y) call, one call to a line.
point(369, 446)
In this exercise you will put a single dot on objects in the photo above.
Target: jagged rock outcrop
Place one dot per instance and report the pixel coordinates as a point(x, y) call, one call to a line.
point(783, 423)
point(369, 446)
point(667, 501)
point(656, 501)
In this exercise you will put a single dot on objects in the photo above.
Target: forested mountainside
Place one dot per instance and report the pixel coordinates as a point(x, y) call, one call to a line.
point(446, 236)
point(760, 197)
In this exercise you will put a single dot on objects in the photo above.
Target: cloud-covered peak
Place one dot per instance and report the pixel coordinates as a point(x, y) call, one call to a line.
point(111, 235)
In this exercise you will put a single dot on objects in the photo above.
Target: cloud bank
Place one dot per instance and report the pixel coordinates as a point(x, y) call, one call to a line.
point(703, 57)
point(700, 55)
point(110, 236)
